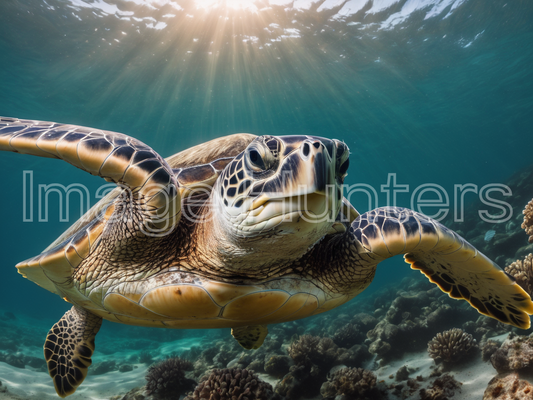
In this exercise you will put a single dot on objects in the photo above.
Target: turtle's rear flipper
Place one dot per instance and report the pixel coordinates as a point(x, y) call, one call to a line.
point(250, 337)
point(68, 349)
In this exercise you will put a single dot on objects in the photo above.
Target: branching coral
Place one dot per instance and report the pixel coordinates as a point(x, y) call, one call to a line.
point(314, 350)
point(230, 384)
point(527, 225)
point(348, 335)
point(166, 379)
point(353, 383)
point(522, 271)
point(450, 346)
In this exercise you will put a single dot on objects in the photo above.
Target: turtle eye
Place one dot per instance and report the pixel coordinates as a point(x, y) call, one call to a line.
point(256, 160)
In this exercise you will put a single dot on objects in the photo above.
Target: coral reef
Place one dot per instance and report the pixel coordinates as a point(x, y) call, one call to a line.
point(527, 225)
point(277, 366)
point(322, 352)
point(451, 346)
point(484, 328)
point(515, 353)
point(441, 389)
point(412, 319)
point(229, 384)
point(508, 387)
point(166, 379)
point(522, 271)
point(348, 335)
point(488, 349)
point(313, 357)
point(352, 383)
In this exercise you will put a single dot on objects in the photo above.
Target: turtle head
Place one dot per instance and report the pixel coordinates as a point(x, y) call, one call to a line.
point(282, 191)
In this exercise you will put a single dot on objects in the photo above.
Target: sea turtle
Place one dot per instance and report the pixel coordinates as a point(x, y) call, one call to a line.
point(239, 232)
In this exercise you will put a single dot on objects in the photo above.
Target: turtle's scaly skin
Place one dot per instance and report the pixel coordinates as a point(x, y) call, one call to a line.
point(239, 232)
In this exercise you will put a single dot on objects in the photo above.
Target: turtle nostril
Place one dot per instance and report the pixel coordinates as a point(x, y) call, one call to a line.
point(316, 144)
point(306, 149)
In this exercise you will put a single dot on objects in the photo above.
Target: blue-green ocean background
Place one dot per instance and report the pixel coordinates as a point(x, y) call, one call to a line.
point(434, 91)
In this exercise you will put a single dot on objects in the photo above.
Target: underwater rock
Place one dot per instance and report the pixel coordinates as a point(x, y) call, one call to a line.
point(229, 384)
point(402, 374)
point(384, 330)
point(508, 387)
point(522, 271)
point(406, 303)
point(137, 393)
point(278, 366)
point(14, 360)
point(451, 346)
point(380, 347)
point(103, 367)
point(352, 383)
point(488, 349)
point(166, 379)
point(441, 389)
point(35, 362)
point(515, 353)
point(527, 225)
point(489, 327)
point(256, 366)
point(125, 368)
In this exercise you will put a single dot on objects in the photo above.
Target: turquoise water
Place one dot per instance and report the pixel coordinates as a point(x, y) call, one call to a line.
point(434, 91)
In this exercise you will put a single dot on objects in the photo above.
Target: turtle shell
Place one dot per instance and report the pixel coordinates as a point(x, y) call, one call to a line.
point(194, 167)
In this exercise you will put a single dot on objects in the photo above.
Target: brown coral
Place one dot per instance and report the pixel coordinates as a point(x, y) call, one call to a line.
point(353, 383)
point(450, 346)
point(522, 271)
point(348, 335)
point(489, 348)
point(527, 225)
point(308, 350)
point(166, 379)
point(443, 388)
point(229, 384)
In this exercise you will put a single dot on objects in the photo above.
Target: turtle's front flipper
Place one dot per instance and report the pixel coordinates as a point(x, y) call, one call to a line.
point(113, 156)
point(68, 349)
point(441, 254)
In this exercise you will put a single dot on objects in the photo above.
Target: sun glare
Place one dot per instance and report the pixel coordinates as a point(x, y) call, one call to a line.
point(235, 4)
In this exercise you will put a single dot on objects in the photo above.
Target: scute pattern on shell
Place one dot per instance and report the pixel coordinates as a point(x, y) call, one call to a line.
point(522, 271)
point(450, 346)
point(231, 384)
